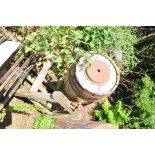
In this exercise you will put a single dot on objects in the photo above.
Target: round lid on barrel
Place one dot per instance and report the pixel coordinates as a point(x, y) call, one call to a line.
point(100, 77)
point(98, 72)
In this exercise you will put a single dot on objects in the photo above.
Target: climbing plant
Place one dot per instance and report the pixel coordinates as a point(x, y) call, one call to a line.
point(64, 44)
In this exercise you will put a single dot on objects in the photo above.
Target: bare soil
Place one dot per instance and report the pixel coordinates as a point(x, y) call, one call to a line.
point(19, 119)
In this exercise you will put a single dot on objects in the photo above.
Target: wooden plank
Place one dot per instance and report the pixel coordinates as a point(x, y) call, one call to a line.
point(15, 87)
point(36, 98)
point(60, 98)
point(35, 95)
point(8, 73)
point(71, 123)
point(7, 48)
point(31, 81)
point(42, 108)
point(40, 78)
point(37, 84)
point(2, 40)
point(57, 97)
point(7, 79)
point(17, 75)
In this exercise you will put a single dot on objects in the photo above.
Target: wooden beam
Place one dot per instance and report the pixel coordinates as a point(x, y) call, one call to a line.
point(57, 97)
point(17, 75)
point(35, 95)
point(40, 78)
point(7, 74)
point(7, 48)
point(31, 80)
point(15, 87)
point(60, 98)
point(3, 39)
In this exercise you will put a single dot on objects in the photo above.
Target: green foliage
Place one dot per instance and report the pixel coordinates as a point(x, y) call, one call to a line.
point(20, 107)
point(65, 44)
point(143, 114)
point(139, 114)
point(145, 97)
point(43, 122)
point(146, 54)
point(117, 114)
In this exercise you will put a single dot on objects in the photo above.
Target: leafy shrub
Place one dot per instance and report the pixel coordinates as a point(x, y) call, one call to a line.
point(145, 97)
point(43, 122)
point(65, 44)
point(146, 54)
point(139, 114)
point(117, 114)
point(143, 113)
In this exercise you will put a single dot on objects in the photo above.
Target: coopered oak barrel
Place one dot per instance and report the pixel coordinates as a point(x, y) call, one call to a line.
point(91, 81)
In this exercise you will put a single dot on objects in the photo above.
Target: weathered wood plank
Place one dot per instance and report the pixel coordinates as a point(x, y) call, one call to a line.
point(15, 87)
point(17, 75)
point(70, 123)
point(3, 39)
point(60, 98)
point(8, 79)
point(7, 74)
point(40, 78)
point(7, 48)
point(31, 81)
point(56, 97)
point(35, 95)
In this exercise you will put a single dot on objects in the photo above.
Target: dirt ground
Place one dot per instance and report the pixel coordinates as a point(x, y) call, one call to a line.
point(19, 119)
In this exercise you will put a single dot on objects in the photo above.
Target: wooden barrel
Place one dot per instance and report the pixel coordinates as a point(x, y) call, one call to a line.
point(92, 81)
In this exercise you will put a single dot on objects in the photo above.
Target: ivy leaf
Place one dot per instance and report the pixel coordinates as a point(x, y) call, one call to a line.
point(38, 47)
point(31, 36)
point(91, 44)
point(43, 32)
point(58, 59)
point(28, 49)
point(79, 34)
point(87, 38)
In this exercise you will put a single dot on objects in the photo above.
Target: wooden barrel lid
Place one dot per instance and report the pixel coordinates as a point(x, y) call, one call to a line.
point(100, 78)
point(98, 72)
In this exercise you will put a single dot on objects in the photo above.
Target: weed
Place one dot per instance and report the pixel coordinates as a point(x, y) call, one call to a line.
point(117, 114)
point(43, 122)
